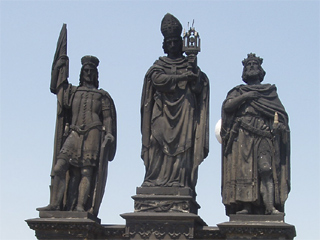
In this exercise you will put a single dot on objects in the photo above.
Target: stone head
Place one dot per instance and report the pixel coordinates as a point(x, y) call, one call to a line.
point(171, 30)
point(89, 71)
point(252, 70)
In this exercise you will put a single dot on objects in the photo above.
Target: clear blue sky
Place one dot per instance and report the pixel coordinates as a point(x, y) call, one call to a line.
point(126, 37)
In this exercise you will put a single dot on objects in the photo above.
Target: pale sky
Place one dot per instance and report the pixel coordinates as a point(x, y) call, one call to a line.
point(126, 37)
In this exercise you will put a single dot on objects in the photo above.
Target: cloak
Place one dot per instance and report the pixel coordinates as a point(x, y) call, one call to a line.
point(266, 105)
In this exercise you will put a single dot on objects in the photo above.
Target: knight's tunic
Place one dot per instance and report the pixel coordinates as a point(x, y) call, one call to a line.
point(82, 146)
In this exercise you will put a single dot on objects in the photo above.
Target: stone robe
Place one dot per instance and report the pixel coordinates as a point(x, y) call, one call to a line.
point(174, 125)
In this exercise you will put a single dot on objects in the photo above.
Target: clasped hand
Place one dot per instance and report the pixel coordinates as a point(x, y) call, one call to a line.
point(189, 76)
point(252, 95)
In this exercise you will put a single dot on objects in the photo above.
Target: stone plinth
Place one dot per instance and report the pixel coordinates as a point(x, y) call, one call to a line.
point(267, 227)
point(65, 225)
point(159, 225)
point(165, 199)
point(68, 215)
point(169, 225)
point(163, 213)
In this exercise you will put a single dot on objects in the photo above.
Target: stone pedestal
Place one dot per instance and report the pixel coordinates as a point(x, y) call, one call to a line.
point(159, 225)
point(160, 214)
point(165, 199)
point(170, 225)
point(65, 225)
point(267, 227)
point(163, 213)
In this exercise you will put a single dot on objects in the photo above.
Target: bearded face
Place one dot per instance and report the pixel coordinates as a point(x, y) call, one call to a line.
point(252, 69)
point(253, 72)
point(89, 75)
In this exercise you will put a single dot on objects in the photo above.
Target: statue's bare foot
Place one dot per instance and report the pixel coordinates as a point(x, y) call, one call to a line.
point(48, 208)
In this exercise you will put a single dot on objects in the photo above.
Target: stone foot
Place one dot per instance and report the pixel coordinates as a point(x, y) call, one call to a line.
point(244, 211)
point(48, 208)
point(275, 212)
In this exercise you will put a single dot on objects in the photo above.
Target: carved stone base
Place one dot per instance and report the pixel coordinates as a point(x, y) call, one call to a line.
point(52, 228)
point(153, 225)
point(65, 225)
point(164, 199)
point(268, 227)
point(147, 225)
point(67, 214)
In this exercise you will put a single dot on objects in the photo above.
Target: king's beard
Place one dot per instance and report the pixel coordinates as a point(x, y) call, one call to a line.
point(253, 73)
point(252, 76)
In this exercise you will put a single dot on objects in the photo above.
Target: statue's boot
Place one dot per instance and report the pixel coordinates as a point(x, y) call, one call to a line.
point(276, 212)
point(84, 189)
point(245, 210)
point(53, 206)
point(269, 200)
point(58, 187)
point(48, 208)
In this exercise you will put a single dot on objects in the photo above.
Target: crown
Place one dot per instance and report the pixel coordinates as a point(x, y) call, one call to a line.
point(90, 60)
point(170, 26)
point(252, 56)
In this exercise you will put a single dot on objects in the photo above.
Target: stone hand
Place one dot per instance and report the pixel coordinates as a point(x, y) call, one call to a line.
point(62, 61)
point(252, 95)
point(277, 128)
point(109, 138)
point(189, 76)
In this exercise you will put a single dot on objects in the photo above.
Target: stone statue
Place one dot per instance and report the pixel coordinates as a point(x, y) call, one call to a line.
point(85, 138)
point(256, 146)
point(174, 114)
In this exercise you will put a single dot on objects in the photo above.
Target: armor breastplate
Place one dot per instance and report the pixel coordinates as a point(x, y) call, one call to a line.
point(86, 108)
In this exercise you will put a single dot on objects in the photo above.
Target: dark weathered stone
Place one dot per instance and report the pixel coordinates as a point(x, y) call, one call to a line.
point(164, 199)
point(256, 218)
point(85, 138)
point(113, 232)
point(207, 233)
point(73, 225)
point(175, 112)
point(162, 225)
point(269, 227)
point(256, 146)
point(68, 215)
point(166, 191)
point(175, 140)
point(65, 228)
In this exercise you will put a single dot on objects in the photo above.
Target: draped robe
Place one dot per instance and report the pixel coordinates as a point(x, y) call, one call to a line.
point(174, 124)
